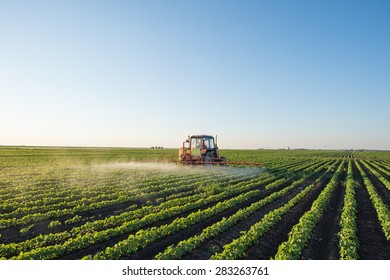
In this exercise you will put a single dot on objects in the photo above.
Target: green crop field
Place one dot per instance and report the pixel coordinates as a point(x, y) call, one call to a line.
point(117, 203)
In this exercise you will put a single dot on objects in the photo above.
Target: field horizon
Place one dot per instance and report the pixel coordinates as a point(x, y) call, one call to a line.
point(172, 148)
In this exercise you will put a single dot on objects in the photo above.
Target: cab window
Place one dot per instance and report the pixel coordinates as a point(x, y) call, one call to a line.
point(197, 143)
point(209, 143)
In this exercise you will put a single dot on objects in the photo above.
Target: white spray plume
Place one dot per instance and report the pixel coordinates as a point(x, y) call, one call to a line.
point(172, 168)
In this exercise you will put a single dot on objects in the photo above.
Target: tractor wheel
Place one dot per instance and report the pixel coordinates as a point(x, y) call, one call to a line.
point(208, 158)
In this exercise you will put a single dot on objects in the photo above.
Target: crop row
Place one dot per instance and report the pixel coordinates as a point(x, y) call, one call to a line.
point(378, 175)
point(126, 221)
point(145, 237)
point(85, 239)
point(237, 248)
point(102, 190)
point(185, 246)
point(381, 208)
point(125, 196)
point(301, 232)
point(149, 206)
point(348, 242)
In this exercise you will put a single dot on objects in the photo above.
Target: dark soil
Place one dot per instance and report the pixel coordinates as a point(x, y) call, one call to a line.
point(382, 191)
point(150, 251)
point(154, 249)
point(268, 245)
point(387, 169)
point(373, 244)
point(324, 243)
point(10, 235)
point(269, 242)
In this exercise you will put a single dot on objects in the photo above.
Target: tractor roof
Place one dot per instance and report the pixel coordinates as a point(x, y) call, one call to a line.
point(202, 136)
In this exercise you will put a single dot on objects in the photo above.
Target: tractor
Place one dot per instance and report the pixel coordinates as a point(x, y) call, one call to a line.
point(200, 149)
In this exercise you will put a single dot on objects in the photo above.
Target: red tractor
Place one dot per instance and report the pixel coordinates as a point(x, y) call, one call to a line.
point(200, 149)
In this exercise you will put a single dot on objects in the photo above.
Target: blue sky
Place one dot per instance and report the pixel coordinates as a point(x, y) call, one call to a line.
point(259, 74)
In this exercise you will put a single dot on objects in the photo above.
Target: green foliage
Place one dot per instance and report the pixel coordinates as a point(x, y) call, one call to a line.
point(301, 232)
point(348, 242)
point(381, 208)
point(78, 185)
point(54, 224)
point(73, 220)
point(26, 230)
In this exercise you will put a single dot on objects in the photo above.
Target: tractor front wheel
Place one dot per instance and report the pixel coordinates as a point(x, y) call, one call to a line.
point(208, 158)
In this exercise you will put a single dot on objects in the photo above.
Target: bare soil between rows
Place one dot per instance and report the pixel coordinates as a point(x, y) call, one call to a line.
point(156, 247)
point(323, 244)
point(372, 242)
point(267, 244)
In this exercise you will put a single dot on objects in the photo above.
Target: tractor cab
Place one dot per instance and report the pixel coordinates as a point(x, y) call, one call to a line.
point(202, 144)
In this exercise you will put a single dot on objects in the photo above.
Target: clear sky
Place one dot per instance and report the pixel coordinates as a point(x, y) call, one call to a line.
point(259, 74)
